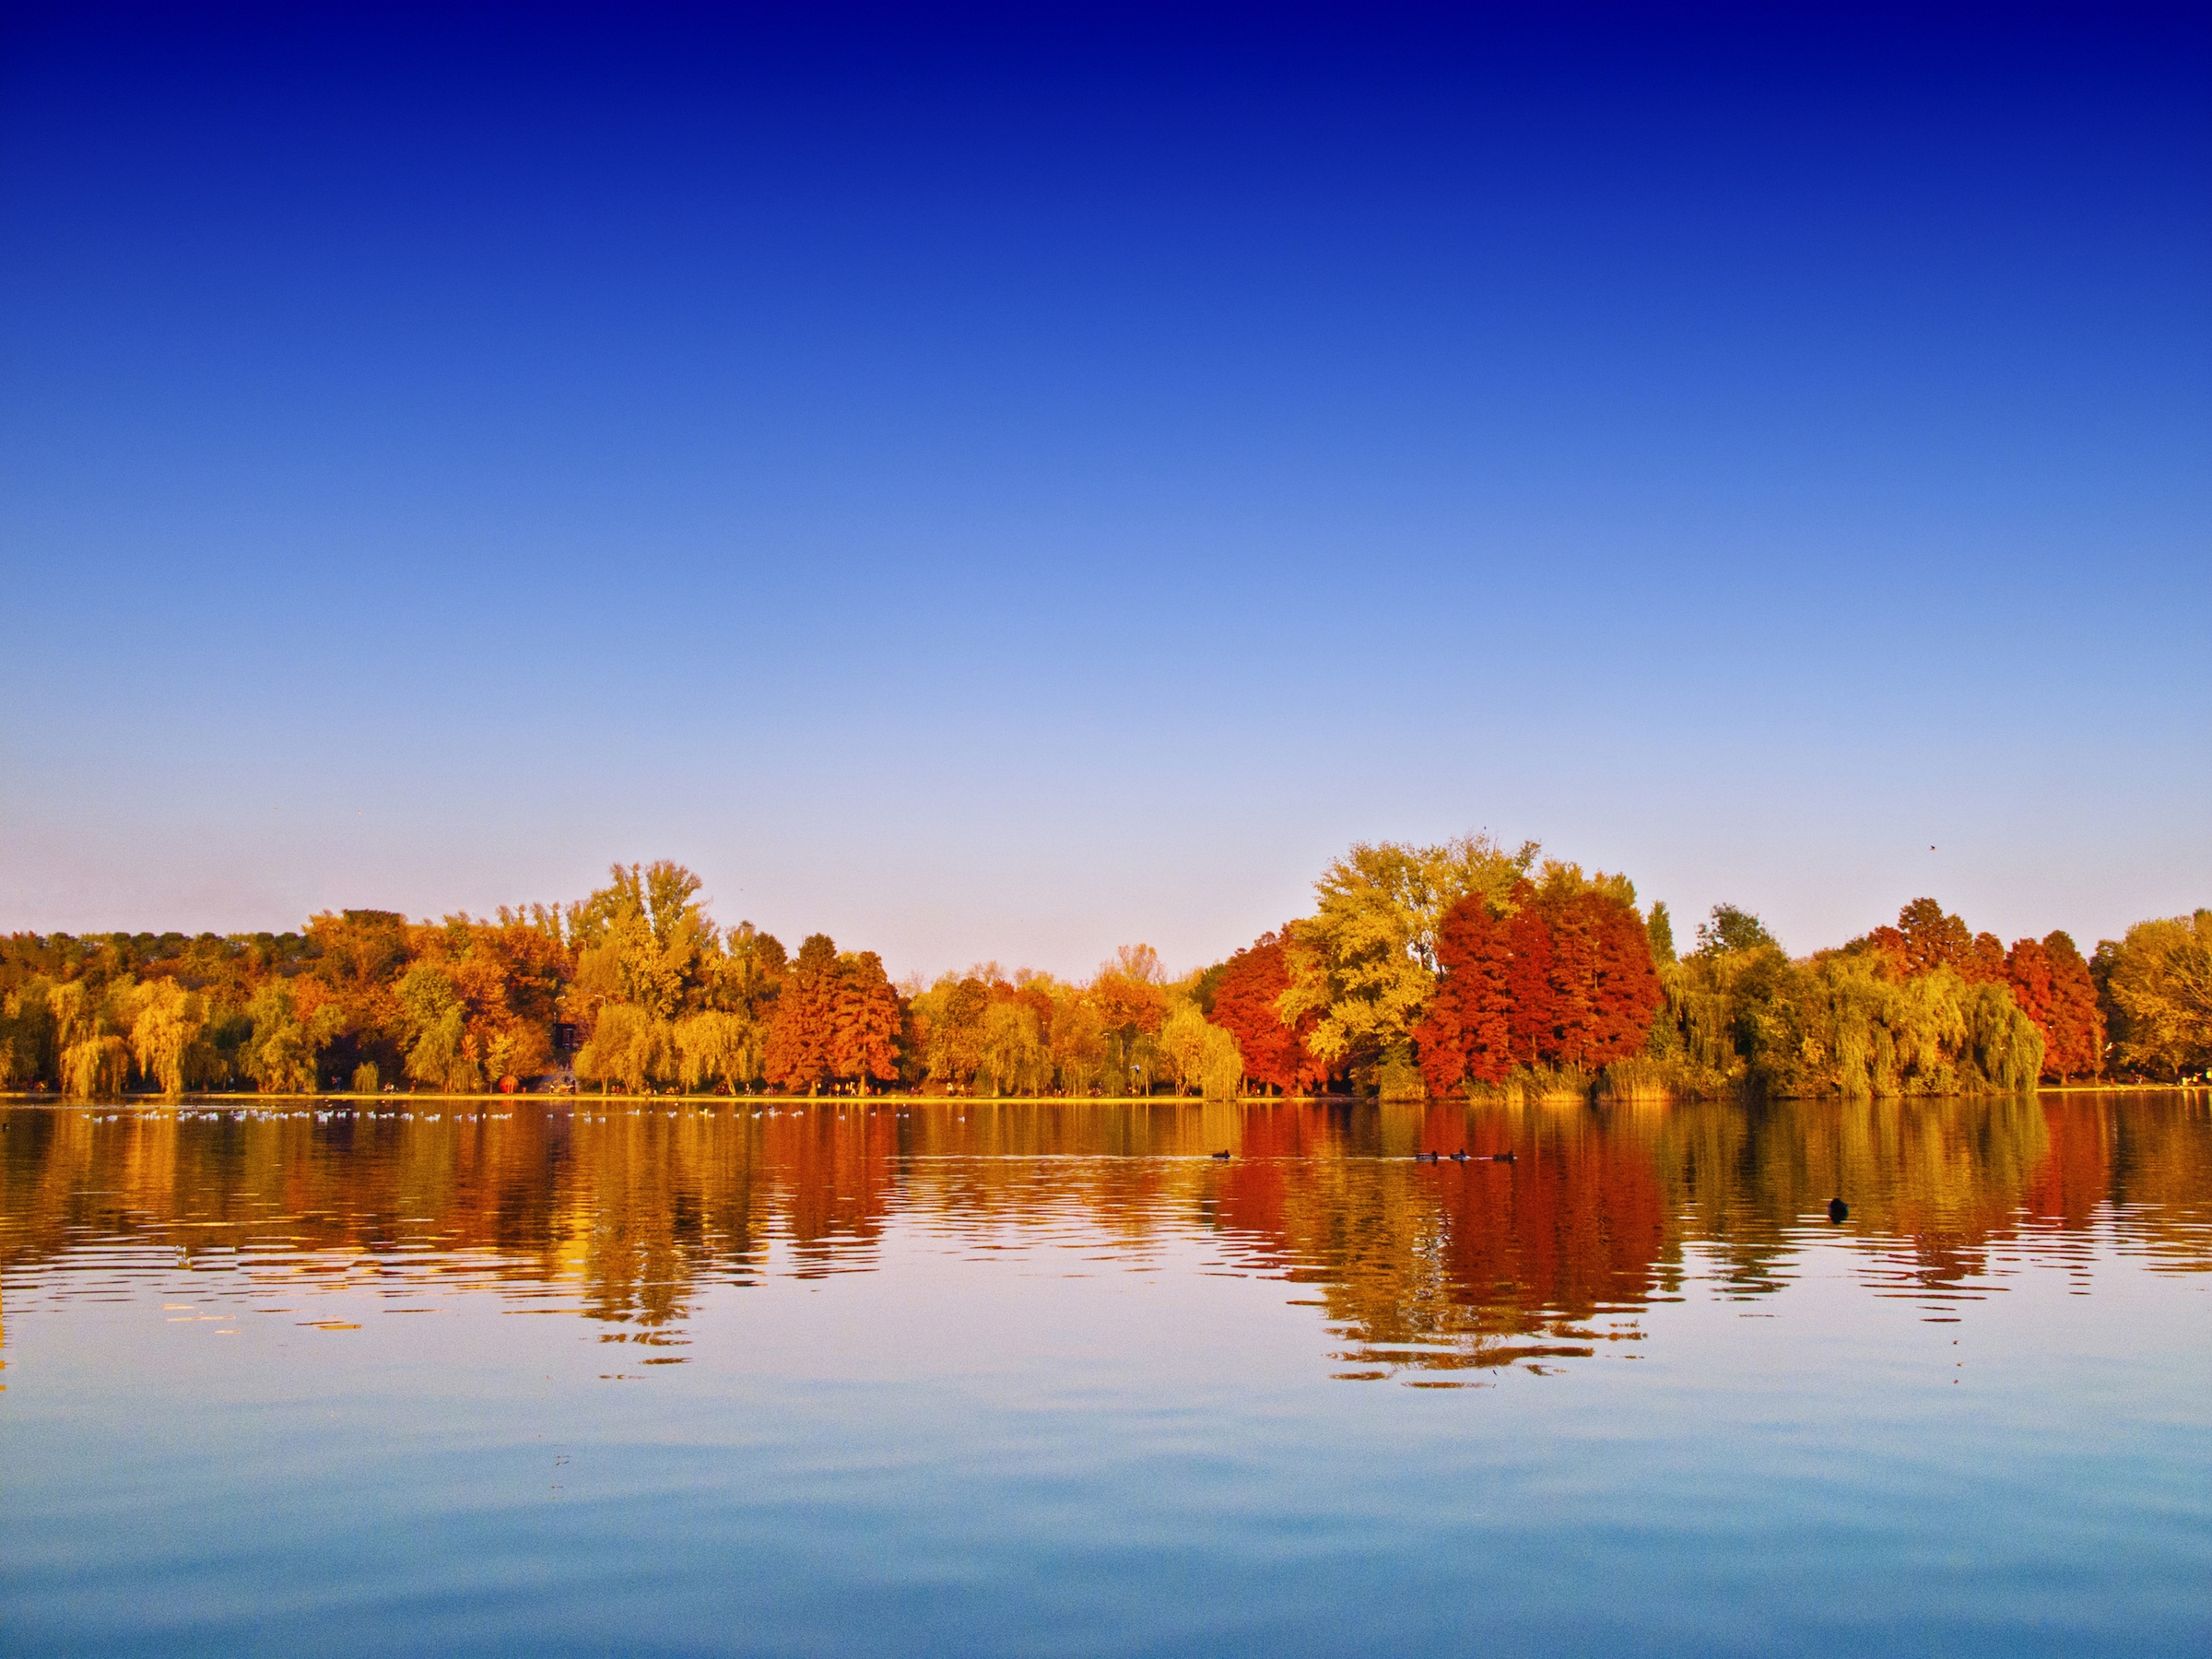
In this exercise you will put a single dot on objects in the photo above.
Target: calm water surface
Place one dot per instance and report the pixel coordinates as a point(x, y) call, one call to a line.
point(976, 1378)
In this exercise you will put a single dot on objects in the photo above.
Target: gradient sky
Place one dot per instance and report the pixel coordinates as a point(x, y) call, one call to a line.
point(1001, 483)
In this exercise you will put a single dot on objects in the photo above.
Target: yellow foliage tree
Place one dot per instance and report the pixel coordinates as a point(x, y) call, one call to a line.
point(167, 1023)
point(2157, 985)
point(1364, 963)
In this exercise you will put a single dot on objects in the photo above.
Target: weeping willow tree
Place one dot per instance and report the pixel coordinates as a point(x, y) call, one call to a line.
point(95, 1066)
point(280, 1056)
point(1015, 1058)
point(93, 1059)
point(1933, 1033)
point(1202, 1055)
point(165, 1025)
point(628, 1047)
point(716, 1046)
point(1840, 1023)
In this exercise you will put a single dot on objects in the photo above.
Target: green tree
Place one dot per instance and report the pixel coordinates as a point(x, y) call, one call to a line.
point(1731, 929)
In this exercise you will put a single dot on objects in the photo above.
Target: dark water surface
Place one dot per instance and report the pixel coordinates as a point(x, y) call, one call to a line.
point(983, 1379)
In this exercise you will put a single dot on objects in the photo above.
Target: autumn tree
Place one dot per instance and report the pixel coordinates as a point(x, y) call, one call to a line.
point(802, 1043)
point(2051, 984)
point(1564, 978)
point(1363, 966)
point(865, 1021)
point(280, 1057)
point(439, 1051)
point(1132, 1004)
point(1530, 1019)
point(1202, 1055)
point(1466, 1033)
point(1247, 995)
point(2076, 1023)
point(2157, 985)
point(165, 1024)
point(954, 1016)
point(1624, 988)
point(1015, 1055)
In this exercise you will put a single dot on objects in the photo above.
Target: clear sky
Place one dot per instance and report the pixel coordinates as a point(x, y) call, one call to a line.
point(1006, 482)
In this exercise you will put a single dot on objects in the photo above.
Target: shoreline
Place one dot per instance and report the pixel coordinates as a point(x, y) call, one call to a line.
point(550, 1101)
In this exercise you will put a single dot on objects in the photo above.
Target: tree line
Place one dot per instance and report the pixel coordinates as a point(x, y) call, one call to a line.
point(1462, 967)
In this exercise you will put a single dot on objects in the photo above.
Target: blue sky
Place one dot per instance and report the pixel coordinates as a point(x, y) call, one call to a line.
point(1004, 482)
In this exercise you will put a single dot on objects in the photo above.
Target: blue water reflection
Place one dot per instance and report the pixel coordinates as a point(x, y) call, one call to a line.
point(1020, 1378)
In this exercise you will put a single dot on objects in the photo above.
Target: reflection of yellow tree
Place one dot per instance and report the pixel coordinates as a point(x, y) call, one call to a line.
point(1436, 1265)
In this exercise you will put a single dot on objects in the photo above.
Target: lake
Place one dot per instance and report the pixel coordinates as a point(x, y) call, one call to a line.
point(904, 1377)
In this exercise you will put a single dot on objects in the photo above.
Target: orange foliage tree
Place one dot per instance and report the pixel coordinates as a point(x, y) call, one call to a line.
point(802, 1039)
point(865, 1021)
point(837, 1016)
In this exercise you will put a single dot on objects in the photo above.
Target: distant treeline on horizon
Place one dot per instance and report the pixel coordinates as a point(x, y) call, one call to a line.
point(1464, 968)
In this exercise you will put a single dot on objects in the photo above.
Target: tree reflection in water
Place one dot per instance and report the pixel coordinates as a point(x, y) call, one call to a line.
point(624, 1210)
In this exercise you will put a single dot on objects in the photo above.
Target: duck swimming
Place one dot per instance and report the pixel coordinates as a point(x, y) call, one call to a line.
point(1501, 1158)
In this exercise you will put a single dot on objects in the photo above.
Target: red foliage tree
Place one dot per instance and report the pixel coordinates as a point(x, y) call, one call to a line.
point(2052, 986)
point(1466, 1032)
point(1889, 945)
point(1244, 1007)
point(1627, 990)
point(1573, 979)
point(1985, 960)
point(1532, 1027)
point(1603, 988)
point(1565, 981)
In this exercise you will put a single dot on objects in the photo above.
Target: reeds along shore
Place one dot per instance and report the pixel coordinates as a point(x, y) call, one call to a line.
point(1459, 971)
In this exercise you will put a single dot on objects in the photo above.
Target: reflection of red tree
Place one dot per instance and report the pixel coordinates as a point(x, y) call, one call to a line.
point(1244, 1007)
point(2076, 1175)
point(1573, 1225)
point(838, 1173)
point(1577, 1223)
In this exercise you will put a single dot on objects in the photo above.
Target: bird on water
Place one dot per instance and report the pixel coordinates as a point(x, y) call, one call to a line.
point(1838, 1211)
point(1501, 1158)
point(1221, 1158)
